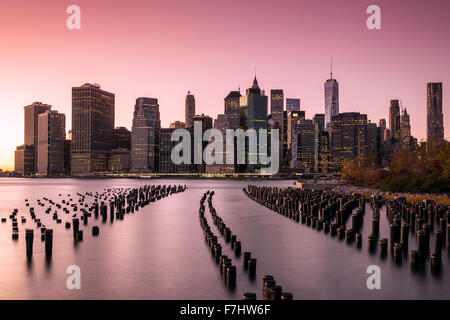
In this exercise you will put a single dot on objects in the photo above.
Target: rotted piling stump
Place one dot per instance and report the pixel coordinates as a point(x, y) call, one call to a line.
point(435, 261)
point(75, 227)
point(252, 266)
point(29, 237)
point(48, 243)
point(249, 296)
point(237, 248)
point(414, 259)
point(80, 235)
point(358, 240)
point(231, 276)
point(275, 293)
point(383, 243)
point(95, 230)
point(398, 252)
point(372, 242)
point(286, 296)
point(245, 257)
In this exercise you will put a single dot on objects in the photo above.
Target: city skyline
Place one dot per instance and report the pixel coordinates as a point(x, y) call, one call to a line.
point(372, 67)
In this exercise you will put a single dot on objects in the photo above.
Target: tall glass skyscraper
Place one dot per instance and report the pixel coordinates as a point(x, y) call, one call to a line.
point(145, 135)
point(331, 100)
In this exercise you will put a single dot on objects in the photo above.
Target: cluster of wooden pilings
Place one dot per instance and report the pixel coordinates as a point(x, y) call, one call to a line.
point(328, 211)
point(115, 203)
point(226, 268)
point(319, 210)
point(429, 222)
point(271, 291)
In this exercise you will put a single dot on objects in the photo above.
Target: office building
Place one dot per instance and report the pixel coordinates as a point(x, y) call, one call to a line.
point(92, 128)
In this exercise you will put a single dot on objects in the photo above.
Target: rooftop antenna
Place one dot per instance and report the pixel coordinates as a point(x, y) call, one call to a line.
point(331, 68)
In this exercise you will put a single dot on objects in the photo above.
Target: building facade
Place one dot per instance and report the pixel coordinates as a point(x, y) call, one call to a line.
point(394, 119)
point(331, 89)
point(92, 128)
point(349, 138)
point(435, 117)
point(50, 147)
point(24, 160)
point(145, 135)
point(31, 113)
point(292, 104)
point(189, 110)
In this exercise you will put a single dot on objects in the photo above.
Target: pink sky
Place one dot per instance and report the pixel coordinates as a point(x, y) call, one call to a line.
point(164, 48)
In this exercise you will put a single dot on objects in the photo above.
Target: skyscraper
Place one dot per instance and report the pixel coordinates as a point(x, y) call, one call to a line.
point(92, 128)
point(349, 138)
point(50, 147)
point(277, 107)
point(31, 125)
point(435, 117)
point(331, 99)
point(145, 135)
point(253, 108)
point(292, 104)
point(232, 109)
point(189, 108)
point(405, 128)
point(305, 145)
point(394, 119)
point(253, 115)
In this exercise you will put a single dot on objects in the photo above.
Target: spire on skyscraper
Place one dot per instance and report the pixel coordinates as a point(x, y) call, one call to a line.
point(331, 68)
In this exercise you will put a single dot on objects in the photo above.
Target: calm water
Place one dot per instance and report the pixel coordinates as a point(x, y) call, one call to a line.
point(160, 252)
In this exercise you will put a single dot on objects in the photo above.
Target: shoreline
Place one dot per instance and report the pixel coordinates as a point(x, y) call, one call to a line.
point(410, 197)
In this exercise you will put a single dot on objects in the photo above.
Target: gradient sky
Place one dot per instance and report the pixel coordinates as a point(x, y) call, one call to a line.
point(164, 48)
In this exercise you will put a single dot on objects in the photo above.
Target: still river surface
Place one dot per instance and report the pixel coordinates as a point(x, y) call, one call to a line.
point(160, 252)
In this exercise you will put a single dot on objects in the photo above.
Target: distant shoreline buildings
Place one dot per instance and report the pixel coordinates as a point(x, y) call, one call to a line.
point(322, 144)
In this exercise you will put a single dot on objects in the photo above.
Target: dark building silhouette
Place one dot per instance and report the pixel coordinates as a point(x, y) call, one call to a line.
point(145, 135)
point(394, 119)
point(435, 117)
point(319, 118)
point(92, 128)
point(349, 138)
point(166, 145)
point(382, 126)
point(405, 129)
point(122, 138)
point(277, 107)
point(231, 102)
point(292, 104)
point(189, 109)
point(50, 147)
point(253, 115)
point(305, 143)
